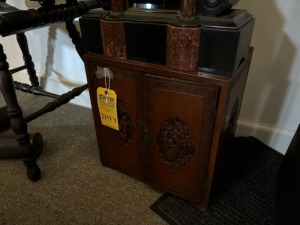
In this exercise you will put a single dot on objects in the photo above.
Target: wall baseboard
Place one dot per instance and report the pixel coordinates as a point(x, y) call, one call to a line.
point(275, 137)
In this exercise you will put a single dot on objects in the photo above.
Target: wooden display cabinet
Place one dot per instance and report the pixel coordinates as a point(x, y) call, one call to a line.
point(174, 125)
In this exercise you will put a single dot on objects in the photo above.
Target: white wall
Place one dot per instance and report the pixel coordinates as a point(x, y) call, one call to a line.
point(271, 105)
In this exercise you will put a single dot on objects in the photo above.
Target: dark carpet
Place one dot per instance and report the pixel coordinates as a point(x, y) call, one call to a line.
point(245, 194)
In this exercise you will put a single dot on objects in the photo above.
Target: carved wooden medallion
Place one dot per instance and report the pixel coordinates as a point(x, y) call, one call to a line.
point(123, 136)
point(176, 147)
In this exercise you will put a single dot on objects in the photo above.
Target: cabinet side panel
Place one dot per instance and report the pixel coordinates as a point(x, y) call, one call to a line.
point(234, 102)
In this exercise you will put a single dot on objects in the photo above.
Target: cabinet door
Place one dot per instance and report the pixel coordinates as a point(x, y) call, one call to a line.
point(120, 149)
point(180, 119)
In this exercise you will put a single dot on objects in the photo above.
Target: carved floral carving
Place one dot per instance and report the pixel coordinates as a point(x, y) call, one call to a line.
point(176, 147)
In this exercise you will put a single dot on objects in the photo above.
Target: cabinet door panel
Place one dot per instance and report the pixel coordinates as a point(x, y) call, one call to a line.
point(120, 149)
point(180, 120)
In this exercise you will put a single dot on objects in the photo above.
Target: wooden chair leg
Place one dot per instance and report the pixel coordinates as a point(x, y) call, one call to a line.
point(4, 119)
point(10, 149)
point(17, 122)
point(22, 41)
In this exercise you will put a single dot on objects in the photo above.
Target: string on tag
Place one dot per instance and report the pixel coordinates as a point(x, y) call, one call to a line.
point(106, 75)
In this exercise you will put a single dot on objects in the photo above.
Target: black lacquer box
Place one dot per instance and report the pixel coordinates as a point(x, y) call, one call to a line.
point(224, 40)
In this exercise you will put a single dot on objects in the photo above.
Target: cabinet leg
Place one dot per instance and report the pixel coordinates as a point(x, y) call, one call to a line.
point(17, 122)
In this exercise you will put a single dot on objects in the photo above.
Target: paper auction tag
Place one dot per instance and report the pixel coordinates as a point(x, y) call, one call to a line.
point(107, 104)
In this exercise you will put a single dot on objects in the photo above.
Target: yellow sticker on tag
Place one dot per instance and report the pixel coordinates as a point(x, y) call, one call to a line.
point(107, 104)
